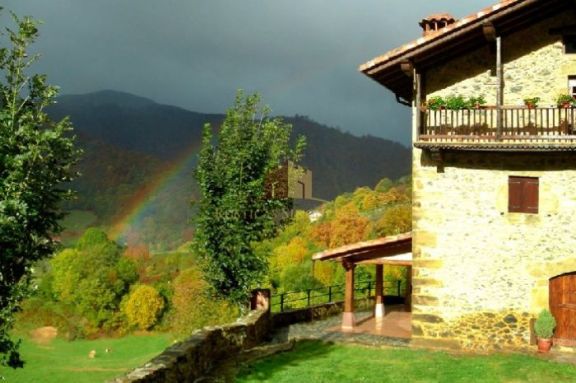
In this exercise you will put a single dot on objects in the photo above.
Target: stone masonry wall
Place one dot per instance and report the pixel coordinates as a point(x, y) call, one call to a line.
point(535, 65)
point(481, 274)
point(192, 359)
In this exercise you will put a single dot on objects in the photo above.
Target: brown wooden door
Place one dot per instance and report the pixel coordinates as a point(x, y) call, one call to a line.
point(563, 307)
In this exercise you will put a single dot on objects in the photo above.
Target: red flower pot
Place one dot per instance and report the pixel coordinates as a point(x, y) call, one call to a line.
point(544, 345)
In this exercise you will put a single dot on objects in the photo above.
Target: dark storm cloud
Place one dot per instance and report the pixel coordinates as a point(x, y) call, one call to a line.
point(302, 56)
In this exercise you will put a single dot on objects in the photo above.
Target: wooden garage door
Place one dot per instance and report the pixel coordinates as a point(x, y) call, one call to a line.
point(563, 307)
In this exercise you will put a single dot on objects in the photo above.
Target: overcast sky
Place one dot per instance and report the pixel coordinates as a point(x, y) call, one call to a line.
point(302, 56)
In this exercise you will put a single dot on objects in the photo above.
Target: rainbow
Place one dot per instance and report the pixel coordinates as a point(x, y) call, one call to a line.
point(141, 200)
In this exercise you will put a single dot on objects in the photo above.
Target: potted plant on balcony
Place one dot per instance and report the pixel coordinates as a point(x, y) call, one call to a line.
point(544, 328)
point(565, 101)
point(531, 102)
point(456, 103)
point(436, 103)
point(476, 102)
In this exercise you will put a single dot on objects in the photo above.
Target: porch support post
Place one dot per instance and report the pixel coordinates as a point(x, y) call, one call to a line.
point(348, 318)
point(408, 295)
point(379, 308)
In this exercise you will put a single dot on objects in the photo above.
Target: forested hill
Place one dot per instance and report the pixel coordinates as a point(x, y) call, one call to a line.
point(134, 138)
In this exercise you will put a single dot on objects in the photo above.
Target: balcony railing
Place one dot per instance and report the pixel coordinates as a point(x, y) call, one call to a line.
point(509, 124)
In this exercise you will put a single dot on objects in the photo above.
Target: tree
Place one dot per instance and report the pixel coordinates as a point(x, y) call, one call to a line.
point(143, 307)
point(237, 207)
point(93, 277)
point(37, 156)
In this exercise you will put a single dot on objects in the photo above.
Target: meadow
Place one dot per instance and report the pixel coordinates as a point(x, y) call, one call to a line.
point(61, 361)
point(316, 362)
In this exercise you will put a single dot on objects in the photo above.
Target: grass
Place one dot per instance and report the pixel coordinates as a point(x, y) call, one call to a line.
point(315, 362)
point(61, 361)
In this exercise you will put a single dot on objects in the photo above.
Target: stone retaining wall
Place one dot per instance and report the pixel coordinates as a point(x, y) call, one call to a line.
point(196, 356)
point(193, 358)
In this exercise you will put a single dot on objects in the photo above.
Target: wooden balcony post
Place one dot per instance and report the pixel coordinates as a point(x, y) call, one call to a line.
point(379, 307)
point(500, 88)
point(419, 109)
point(348, 317)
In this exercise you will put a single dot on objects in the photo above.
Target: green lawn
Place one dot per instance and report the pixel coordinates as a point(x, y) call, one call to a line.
point(61, 361)
point(313, 361)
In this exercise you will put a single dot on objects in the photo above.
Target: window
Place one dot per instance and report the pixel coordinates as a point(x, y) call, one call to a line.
point(572, 86)
point(523, 195)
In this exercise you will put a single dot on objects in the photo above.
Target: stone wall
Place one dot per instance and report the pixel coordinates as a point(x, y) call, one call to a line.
point(535, 65)
point(193, 358)
point(481, 274)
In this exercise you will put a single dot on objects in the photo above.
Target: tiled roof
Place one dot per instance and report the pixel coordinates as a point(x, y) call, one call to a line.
point(446, 31)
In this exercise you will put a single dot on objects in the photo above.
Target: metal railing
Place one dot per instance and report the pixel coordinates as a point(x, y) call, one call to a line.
point(515, 123)
point(293, 300)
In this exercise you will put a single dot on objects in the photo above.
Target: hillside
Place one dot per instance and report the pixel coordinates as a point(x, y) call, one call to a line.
point(139, 157)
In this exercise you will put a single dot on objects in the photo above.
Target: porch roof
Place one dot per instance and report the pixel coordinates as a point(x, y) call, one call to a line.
point(393, 249)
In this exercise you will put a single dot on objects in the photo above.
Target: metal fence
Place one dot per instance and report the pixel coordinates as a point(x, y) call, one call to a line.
point(293, 300)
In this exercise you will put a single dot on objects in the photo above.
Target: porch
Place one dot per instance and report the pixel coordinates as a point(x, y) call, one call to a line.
point(391, 250)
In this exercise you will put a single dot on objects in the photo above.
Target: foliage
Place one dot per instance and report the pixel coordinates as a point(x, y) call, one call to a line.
point(532, 101)
point(236, 209)
point(455, 102)
point(436, 103)
point(192, 307)
point(36, 157)
point(93, 277)
point(563, 99)
point(143, 307)
point(475, 102)
point(364, 214)
point(544, 325)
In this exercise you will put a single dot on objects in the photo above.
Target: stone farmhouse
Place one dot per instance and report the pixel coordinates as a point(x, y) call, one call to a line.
point(494, 176)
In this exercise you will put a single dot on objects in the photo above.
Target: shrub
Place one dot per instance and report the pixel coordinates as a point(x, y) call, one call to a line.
point(192, 308)
point(143, 307)
point(545, 325)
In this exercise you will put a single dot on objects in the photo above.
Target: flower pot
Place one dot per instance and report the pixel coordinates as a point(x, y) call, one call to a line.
point(566, 104)
point(530, 105)
point(544, 344)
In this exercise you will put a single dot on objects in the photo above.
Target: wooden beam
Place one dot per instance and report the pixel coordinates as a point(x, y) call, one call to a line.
point(489, 31)
point(407, 68)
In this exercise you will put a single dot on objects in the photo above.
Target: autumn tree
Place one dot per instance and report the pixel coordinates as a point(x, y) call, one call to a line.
point(143, 306)
point(36, 160)
point(236, 207)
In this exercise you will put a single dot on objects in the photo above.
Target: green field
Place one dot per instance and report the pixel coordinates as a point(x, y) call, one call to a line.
point(60, 361)
point(315, 362)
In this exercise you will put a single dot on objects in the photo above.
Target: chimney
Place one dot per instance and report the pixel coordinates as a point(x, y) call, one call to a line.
point(436, 22)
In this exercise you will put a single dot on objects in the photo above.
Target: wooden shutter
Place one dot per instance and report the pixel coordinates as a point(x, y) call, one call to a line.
point(523, 194)
point(515, 194)
point(530, 194)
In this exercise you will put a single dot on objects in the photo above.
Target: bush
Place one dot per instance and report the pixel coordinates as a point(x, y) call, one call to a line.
point(193, 308)
point(143, 307)
point(545, 325)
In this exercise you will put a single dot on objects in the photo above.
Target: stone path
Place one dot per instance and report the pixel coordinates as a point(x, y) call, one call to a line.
point(328, 330)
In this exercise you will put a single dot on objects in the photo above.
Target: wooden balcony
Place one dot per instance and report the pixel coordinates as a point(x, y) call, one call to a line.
point(492, 129)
